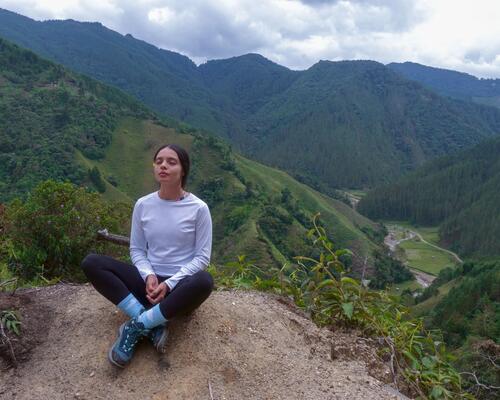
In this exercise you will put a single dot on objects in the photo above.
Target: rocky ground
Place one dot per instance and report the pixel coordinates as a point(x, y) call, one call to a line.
point(237, 345)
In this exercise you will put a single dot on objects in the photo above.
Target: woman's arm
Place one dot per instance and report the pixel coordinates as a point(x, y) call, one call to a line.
point(203, 248)
point(138, 244)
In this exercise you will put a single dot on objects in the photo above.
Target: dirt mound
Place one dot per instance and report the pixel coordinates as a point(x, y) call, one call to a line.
point(237, 345)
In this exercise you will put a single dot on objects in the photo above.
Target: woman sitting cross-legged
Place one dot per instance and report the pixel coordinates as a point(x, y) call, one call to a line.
point(170, 247)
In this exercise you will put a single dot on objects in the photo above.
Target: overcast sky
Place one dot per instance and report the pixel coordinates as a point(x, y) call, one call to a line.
point(456, 34)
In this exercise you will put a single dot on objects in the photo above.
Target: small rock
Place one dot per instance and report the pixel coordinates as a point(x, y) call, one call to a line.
point(333, 352)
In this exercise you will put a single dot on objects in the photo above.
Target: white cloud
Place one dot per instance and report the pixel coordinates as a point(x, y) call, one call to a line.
point(161, 16)
point(458, 35)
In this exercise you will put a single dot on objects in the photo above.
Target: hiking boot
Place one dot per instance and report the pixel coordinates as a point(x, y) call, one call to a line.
point(129, 334)
point(159, 336)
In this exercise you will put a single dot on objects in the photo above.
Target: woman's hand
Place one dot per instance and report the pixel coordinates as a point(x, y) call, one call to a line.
point(151, 284)
point(155, 292)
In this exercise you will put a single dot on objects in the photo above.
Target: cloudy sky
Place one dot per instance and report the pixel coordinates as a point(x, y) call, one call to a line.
point(463, 35)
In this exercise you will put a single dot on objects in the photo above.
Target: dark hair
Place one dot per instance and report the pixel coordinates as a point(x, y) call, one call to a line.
point(183, 158)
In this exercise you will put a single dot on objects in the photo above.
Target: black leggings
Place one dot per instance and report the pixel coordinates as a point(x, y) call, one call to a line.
point(115, 280)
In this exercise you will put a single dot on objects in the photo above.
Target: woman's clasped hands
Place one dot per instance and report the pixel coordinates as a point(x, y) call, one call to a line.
point(155, 292)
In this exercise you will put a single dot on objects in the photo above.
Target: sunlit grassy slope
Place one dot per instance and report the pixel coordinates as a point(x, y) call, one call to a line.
point(345, 223)
point(128, 160)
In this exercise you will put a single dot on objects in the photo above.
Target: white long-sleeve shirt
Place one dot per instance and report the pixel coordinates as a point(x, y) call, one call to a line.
point(170, 237)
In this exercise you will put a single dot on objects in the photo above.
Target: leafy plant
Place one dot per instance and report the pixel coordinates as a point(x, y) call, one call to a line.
point(243, 274)
point(332, 298)
point(10, 320)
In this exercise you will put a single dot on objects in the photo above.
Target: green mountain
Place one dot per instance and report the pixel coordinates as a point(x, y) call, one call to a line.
point(57, 124)
point(166, 81)
point(346, 124)
point(452, 83)
point(356, 123)
point(460, 193)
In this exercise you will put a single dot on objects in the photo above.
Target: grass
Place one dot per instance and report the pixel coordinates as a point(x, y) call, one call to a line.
point(129, 158)
point(358, 194)
point(423, 257)
point(429, 233)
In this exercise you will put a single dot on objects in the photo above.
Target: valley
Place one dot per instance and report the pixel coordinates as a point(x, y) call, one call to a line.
point(367, 146)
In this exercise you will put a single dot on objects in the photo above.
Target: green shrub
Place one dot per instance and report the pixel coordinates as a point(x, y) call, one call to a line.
point(52, 231)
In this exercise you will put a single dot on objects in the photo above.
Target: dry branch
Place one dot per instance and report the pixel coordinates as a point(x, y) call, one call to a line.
point(103, 234)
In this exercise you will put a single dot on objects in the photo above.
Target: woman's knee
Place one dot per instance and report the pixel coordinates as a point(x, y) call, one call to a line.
point(90, 263)
point(204, 281)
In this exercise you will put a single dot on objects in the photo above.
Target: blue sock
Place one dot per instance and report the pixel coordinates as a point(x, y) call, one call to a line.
point(131, 306)
point(152, 317)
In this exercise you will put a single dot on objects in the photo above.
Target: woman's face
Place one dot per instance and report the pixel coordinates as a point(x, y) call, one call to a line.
point(168, 168)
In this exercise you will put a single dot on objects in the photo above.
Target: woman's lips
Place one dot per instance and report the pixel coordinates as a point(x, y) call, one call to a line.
point(163, 174)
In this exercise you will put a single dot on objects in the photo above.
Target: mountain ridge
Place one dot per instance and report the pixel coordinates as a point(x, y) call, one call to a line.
point(452, 83)
point(374, 117)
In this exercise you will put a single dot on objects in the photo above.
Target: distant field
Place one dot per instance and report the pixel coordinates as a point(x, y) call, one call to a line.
point(429, 233)
point(398, 288)
point(356, 193)
point(425, 258)
point(418, 254)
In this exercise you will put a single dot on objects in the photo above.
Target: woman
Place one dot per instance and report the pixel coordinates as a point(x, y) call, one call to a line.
point(170, 246)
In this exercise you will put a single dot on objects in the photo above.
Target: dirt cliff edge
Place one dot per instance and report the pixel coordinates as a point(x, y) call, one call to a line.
point(237, 345)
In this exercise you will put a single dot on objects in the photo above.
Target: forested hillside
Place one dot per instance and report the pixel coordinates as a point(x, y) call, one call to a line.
point(60, 125)
point(339, 120)
point(460, 193)
point(452, 83)
point(468, 314)
point(356, 123)
point(46, 113)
